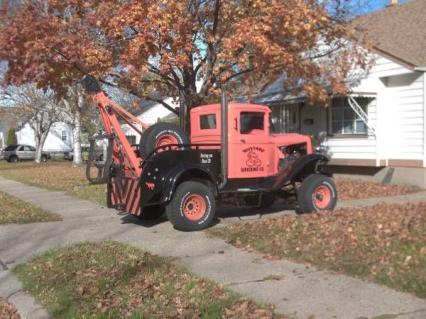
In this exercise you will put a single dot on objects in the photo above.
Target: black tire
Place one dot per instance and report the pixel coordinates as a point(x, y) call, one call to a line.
point(267, 200)
point(317, 193)
point(44, 158)
point(152, 212)
point(154, 133)
point(183, 200)
point(13, 159)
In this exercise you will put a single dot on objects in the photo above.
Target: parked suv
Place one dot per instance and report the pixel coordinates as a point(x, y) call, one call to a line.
point(69, 156)
point(16, 153)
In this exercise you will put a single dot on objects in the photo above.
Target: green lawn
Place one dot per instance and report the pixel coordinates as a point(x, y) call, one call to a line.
point(58, 176)
point(383, 243)
point(15, 211)
point(113, 280)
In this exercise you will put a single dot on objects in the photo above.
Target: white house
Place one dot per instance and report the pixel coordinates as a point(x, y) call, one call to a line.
point(59, 138)
point(381, 126)
point(2, 140)
point(150, 113)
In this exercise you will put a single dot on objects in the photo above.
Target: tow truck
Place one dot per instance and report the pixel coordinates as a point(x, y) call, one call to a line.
point(230, 154)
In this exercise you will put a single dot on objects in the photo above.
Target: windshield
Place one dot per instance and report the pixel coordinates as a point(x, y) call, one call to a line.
point(11, 148)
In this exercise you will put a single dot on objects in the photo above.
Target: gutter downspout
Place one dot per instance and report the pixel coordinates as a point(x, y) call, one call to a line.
point(424, 118)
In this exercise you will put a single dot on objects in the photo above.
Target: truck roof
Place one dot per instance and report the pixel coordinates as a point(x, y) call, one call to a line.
point(232, 105)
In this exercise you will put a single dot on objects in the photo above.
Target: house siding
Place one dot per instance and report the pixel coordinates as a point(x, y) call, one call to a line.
point(398, 115)
point(361, 148)
point(407, 116)
point(53, 143)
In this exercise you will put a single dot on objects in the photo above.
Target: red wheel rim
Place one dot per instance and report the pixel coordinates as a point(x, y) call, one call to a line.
point(321, 197)
point(166, 139)
point(194, 207)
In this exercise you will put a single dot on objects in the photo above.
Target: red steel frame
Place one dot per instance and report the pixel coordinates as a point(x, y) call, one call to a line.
point(124, 191)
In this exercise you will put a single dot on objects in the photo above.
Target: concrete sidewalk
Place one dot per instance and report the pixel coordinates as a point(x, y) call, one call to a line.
point(301, 291)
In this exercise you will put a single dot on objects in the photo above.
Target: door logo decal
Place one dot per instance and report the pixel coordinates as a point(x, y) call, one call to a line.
point(253, 162)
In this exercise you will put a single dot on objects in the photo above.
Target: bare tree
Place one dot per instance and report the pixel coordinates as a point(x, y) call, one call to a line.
point(72, 110)
point(35, 107)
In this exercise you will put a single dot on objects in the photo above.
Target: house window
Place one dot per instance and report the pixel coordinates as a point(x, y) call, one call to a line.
point(344, 120)
point(208, 122)
point(64, 136)
point(250, 121)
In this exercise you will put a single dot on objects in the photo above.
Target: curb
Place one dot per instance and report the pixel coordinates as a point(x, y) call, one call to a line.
point(11, 290)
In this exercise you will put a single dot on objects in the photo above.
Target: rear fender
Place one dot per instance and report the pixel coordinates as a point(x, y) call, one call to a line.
point(160, 191)
point(301, 168)
point(193, 173)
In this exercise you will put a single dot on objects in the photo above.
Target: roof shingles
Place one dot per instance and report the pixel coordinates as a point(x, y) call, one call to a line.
point(398, 30)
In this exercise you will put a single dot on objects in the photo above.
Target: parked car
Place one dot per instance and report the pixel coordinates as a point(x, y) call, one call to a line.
point(69, 156)
point(18, 152)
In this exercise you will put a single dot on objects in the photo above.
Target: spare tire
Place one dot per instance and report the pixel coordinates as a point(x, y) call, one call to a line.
point(161, 134)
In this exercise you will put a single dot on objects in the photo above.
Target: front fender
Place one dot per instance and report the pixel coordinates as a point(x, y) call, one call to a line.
point(301, 168)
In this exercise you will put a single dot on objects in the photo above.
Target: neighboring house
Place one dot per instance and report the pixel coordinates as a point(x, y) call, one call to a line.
point(150, 113)
point(59, 138)
point(2, 138)
point(382, 123)
point(7, 121)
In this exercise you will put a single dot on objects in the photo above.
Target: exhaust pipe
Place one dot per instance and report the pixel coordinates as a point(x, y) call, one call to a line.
point(224, 137)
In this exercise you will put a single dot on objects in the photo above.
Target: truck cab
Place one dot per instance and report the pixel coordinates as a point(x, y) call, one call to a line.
point(254, 151)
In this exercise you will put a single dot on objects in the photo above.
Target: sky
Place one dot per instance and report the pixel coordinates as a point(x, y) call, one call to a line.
point(374, 5)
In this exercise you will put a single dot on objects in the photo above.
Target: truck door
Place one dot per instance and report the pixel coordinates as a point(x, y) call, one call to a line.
point(250, 146)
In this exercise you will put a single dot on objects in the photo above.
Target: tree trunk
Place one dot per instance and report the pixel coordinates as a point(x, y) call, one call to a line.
point(76, 132)
point(39, 141)
point(77, 158)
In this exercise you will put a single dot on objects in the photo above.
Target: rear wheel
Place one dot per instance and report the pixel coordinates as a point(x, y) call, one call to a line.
point(152, 212)
point(161, 134)
point(317, 193)
point(13, 159)
point(192, 206)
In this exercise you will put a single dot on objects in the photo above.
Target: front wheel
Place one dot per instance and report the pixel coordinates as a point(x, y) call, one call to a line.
point(13, 159)
point(192, 207)
point(317, 193)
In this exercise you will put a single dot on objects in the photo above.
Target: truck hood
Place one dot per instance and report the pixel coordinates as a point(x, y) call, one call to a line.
point(291, 138)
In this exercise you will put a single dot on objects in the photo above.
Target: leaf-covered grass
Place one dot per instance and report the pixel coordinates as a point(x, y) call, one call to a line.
point(358, 189)
point(383, 243)
point(58, 176)
point(63, 176)
point(113, 280)
point(15, 211)
point(8, 311)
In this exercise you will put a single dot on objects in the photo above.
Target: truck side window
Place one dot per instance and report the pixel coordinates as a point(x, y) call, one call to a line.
point(250, 121)
point(208, 122)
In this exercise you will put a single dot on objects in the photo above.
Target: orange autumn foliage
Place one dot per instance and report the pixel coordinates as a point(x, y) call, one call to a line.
point(168, 46)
